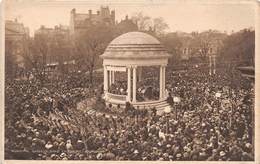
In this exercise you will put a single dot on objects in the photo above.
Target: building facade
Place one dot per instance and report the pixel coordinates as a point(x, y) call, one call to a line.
point(192, 48)
point(57, 42)
point(82, 21)
point(16, 34)
point(126, 25)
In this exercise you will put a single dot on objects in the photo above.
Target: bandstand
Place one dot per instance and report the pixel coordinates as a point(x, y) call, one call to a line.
point(128, 54)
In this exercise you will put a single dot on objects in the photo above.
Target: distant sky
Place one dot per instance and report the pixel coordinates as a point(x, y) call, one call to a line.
point(180, 15)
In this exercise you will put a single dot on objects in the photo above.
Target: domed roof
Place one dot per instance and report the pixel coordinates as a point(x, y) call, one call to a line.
point(135, 38)
point(135, 45)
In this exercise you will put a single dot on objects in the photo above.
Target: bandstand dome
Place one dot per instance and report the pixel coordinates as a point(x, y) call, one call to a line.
point(135, 45)
point(129, 53)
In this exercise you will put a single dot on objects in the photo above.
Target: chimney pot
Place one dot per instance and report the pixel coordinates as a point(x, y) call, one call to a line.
point(73, 11)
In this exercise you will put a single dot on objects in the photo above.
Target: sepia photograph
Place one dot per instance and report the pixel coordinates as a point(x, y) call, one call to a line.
point(147, 80)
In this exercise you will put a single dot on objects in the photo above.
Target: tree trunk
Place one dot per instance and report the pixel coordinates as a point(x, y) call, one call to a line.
point(91, 75)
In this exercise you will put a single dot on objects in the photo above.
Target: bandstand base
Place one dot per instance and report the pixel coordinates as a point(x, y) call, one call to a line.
point(158, 104)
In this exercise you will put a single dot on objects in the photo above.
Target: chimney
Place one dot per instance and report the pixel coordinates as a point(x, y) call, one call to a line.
point(73, 11)
point(113, 12)
point(150, 29)
point(98, 12)
point(90, 13)
point(113, 16)
point(15, 20)
point(126, 17)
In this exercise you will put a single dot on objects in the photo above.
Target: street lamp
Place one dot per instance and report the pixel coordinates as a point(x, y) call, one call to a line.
point(176, 100)
point(214, 64)
point(210, 64)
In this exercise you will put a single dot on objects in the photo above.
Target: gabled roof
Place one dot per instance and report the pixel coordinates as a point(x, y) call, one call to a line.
point(11, 31)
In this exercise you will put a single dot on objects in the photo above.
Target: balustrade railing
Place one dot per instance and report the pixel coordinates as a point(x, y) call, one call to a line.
point(116, 97)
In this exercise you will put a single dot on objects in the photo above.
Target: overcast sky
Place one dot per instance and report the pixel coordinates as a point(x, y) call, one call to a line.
point(180, 15)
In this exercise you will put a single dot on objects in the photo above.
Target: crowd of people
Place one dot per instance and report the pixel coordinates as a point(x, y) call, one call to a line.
point(213, 121)
point(119, 88)
point(147, 86)
point(147, 89)
point(26, 100)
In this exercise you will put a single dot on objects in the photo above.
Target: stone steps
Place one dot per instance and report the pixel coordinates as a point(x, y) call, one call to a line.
point(159, 104)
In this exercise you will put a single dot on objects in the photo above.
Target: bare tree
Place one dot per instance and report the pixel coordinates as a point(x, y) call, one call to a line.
point(10, 64)
point(35, 54)
point(203, 43)
point(89, 45)
point(60, 51)
point(143, 22)
point(173, 45)
point(159, 25)
point(146, 23)
point(239, 47)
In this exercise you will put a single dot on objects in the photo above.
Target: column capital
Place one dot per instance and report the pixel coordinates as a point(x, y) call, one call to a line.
point(134, 66)
point(134, 84)
point(161, 82)
point(131, 66)
point(163, 65)
point(105, 80)
point(129, 84)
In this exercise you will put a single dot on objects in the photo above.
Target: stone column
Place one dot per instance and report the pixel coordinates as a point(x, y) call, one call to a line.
point(139, 73)
point(161, 82)
point(113, 77)
point(105, 81)
point(110, 77)
point(134, 84)
point(210, 64)
point(214, 64)
point(128, 84)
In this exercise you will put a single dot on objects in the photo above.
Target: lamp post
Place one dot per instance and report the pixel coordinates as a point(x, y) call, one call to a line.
point(210, 64)
point(176, 111)
point(176, 100)
point(214, 64)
